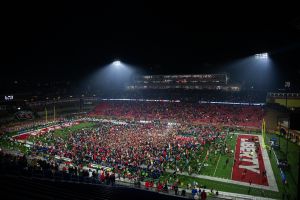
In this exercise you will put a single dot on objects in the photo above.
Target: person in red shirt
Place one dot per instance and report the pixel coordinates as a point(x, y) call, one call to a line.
point(151, 184)
point(147, 185)
point(102, 177)
point(159, 187)
point(203, 195)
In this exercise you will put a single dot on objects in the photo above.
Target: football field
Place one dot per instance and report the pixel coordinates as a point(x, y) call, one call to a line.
point(244, 168)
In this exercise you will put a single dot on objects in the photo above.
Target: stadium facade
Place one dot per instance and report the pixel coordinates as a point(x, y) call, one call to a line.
point(184, 81)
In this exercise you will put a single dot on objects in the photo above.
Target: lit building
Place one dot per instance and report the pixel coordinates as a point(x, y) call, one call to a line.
point(192, 82)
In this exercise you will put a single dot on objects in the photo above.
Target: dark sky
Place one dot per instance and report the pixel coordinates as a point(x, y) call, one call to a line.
point(69, 41)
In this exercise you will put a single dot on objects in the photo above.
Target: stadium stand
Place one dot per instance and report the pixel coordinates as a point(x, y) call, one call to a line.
point(231, 115)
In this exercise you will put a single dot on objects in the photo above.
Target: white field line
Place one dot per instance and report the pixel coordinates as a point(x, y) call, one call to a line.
point(233, 158)
point(217, 165)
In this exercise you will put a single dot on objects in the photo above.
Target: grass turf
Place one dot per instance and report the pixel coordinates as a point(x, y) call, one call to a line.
point(216, 163)
point(216, 166)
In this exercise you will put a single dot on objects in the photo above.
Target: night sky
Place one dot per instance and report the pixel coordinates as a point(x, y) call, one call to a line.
point(70, 41)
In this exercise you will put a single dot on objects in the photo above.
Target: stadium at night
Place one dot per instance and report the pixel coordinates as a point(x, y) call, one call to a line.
point(101, 106)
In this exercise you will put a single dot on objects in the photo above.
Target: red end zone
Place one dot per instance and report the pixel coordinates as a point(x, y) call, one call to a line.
point(249, 164)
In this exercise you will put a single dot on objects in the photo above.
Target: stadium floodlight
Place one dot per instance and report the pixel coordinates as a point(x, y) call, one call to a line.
point(117, 63)
point(262, 56)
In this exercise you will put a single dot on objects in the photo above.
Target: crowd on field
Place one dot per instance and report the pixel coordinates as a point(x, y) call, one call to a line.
point(136, 150)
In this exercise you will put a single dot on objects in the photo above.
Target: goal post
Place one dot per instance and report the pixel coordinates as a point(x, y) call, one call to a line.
point(263, 132)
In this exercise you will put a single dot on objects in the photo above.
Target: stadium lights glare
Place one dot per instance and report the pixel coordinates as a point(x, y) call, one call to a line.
point(261, 56)
point(117, 63)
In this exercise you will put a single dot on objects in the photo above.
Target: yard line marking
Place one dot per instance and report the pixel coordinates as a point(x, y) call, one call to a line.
point(217, 165)
point(233, 158)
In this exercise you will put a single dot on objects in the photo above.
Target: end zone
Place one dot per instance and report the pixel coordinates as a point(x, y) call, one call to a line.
point(252, 164)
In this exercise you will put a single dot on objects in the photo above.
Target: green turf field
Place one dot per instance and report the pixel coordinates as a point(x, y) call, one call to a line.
point(214, 166)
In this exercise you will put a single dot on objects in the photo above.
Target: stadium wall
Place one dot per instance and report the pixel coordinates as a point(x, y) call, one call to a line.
point(292, 100)
point(291, 103)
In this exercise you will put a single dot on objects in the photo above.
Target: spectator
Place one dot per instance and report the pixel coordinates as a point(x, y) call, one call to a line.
point(203, 195)
point(183, 192)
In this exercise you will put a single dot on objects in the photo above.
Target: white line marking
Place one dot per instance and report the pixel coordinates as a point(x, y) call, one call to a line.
point(217, 165)
point(233, 157)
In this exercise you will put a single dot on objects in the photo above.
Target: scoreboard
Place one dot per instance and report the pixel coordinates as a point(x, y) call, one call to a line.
point(9, 98)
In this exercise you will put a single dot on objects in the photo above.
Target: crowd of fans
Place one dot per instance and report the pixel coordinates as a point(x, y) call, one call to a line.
point(230, 115)
point(24, 115)
point(134, 150)
point(35, 165)
point(19, 164)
